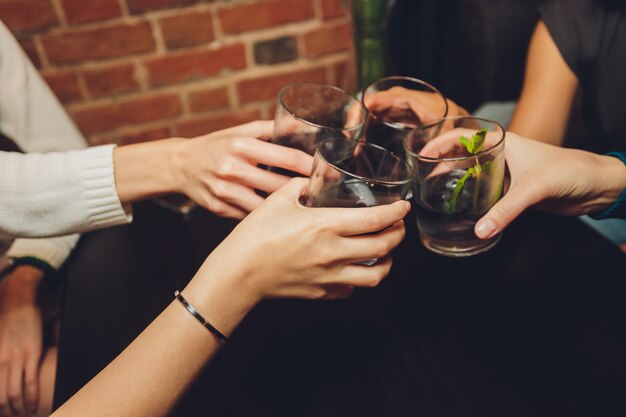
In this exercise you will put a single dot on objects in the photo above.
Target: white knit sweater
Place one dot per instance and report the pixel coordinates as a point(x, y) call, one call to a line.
point(58, 193)
point(35, 197)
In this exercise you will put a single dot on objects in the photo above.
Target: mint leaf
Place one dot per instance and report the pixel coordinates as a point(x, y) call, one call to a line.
point(479, 140)
point(476, 143)
point(458, 188)
point(473, 146)
point(469, 145)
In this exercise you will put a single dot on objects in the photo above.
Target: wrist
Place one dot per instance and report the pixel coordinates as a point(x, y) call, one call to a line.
point(147, 169)
point(178, 157)
point(220, 297)
point(20, 286)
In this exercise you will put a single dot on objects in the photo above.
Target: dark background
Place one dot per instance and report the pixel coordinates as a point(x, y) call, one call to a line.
point(472, 50)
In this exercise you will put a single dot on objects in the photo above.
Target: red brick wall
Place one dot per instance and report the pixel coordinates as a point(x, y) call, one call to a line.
point(135, 70)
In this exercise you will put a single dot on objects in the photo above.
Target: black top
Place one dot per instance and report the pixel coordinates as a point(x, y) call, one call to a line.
point(591, 36)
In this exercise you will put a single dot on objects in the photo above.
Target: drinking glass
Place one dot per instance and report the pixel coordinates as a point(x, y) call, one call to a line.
point(456, 183)
point(391, 117)
point(356, 174)
point(308, 113)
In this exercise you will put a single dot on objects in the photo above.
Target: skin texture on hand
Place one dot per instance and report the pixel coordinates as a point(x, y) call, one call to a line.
point(426, 106)
point(219, 171)
point(281, 249)
point(20, 342)
point(557, 180)
point(309, 252)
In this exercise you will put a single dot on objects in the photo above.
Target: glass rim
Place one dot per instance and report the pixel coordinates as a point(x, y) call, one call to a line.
point(455, 158)
point(403, 78)
point(328, 86)
point(407, 166)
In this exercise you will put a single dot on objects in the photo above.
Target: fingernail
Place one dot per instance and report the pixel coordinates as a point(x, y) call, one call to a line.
point(485, 228)
point(407, 204)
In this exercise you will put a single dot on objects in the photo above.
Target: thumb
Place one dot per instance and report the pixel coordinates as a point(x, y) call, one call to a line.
point(505, 211)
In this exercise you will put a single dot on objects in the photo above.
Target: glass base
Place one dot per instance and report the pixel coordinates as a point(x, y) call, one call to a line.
point(458, 249)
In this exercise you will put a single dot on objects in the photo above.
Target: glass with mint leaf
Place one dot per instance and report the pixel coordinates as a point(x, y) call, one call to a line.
point(458, 164)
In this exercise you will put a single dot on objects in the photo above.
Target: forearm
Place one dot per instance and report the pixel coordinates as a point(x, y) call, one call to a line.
point(147, 169)
point(151, 374)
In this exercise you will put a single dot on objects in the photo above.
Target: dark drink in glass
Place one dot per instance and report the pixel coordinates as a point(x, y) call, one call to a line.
point(356, 174)
point(308, 113)
point(393, 104)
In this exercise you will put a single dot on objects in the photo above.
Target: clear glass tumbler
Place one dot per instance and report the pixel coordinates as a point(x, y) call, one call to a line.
point(308, 113)
point(398, 105)
point(458, 163)
point(356, 174)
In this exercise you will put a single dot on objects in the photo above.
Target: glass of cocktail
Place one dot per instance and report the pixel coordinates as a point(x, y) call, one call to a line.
point(396, 106)
point(356, 174)
point(458, 163)
point(308, 113)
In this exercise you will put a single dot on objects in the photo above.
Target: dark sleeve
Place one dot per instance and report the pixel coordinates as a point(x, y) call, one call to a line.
point(576, 28)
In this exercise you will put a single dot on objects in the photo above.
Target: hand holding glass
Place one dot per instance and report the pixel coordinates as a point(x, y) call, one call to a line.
point(356, 174)
point(458, 164)
point(398, 105)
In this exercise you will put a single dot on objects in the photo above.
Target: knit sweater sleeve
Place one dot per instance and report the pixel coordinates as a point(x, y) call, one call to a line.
point(59, 193)
point(34, 118)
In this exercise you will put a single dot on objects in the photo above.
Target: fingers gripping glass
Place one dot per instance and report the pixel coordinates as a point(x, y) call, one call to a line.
point(356, 174)
point(398, 105)
point(458, 163)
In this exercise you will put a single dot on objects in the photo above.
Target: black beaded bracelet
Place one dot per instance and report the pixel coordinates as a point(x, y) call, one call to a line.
point(199, 317)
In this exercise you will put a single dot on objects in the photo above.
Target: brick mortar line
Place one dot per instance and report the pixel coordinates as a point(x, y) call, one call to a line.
point(233, 97)
point(217, 23)
point(60, 12)
point(82, 85)
point(91, 63)
point(89, 26)
point(318, 10)
point(175, 11)
point(295, 27)
point(124, 8)
point(171, 122)
point(41, 53)
point(157, 35)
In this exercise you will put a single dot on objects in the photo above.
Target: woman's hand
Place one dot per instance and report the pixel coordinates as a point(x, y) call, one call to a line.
point(426, 106)
point(20, 342)
point(283, 249)
point(220, 170)
point(557, 180)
